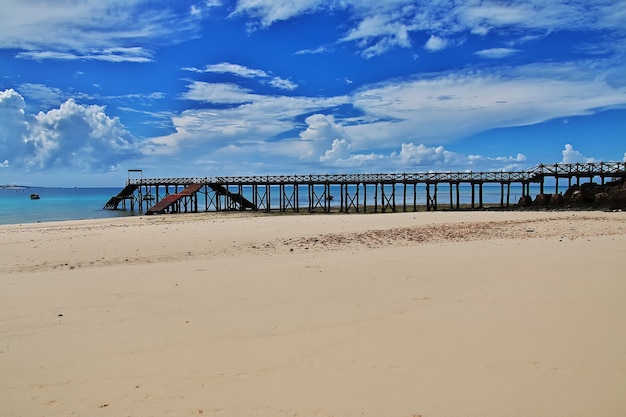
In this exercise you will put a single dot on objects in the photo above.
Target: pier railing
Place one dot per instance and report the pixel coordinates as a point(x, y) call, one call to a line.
point(374, 191)
point(583, 170)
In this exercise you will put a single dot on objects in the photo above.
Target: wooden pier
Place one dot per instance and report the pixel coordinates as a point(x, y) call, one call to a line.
point(357, 192)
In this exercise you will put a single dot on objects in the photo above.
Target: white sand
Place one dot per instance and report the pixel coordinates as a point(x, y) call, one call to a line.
point(413, 314)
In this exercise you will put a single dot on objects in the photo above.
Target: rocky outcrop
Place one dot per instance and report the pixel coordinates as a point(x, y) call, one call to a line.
point(610, 196)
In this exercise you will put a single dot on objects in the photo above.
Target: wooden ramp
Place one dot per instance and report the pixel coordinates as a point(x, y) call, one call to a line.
point(172, 199)
point(243, 202)
point(126, 193)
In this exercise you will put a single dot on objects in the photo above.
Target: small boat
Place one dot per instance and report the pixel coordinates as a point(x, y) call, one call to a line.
point(34, 196)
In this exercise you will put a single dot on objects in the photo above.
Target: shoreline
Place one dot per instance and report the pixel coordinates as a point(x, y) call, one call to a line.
point(479, 313)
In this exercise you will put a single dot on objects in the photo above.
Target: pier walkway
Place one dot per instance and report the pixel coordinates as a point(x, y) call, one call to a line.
point(356, 192)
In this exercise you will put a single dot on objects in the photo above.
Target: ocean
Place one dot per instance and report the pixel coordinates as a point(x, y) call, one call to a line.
point(58, 204)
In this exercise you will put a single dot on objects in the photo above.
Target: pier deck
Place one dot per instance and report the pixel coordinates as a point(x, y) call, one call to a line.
point(357, 192)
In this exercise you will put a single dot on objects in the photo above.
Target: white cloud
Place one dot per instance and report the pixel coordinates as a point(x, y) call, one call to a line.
point(321, 131)
point(135, 54)
point(267, 12)
point(246, 125)
point(340, 149)
point(437, 157)
point(382, 25)
point(572, 156)
point(430, 110)
point(130, 30)
point(379, 33)
point(435, 43)
point(318, 50)
point(47, 96)
point(91, 29)
point(417, 158)
point(424, 155)
point(421, 110)
point(282, 84)
point(13, 125)
point(222, 93)
point(245, 72)
point(228, 68)
point(72, 136)
point(497, 53)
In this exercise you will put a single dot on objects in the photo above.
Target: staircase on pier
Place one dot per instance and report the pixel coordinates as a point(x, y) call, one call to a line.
point(172, 200)
point(126, 194)
point(243, 202)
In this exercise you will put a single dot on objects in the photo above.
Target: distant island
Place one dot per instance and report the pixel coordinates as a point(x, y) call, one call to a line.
point(14, 187)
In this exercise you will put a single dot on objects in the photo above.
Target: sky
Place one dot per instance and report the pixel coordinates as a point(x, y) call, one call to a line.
point(194, 88)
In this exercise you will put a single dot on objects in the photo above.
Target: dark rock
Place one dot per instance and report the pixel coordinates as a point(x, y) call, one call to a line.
point(567, 197)
point(617, 199)
point(610, 196)
point(589, 191)
point(602, 200)
point(576, 199)
point(556, 201)
point(525, 201)
point(542, 200)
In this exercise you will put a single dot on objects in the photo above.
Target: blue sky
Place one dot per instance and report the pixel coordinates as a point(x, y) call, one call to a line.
point(90, 89)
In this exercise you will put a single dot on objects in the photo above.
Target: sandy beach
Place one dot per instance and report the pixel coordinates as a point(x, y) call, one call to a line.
point(444, 314)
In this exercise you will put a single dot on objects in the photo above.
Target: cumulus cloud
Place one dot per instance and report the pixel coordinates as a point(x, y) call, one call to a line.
point(322, 131)
point(572, 156)
point(339, 150)
point(437, 157)
point(13, 125)
point(73, 136)
point(418, 158)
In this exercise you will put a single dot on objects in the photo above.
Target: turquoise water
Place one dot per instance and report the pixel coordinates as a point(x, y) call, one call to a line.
point(58, 204)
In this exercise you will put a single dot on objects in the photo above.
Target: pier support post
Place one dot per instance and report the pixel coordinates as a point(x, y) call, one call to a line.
point(508, 193)
point(404, 198)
